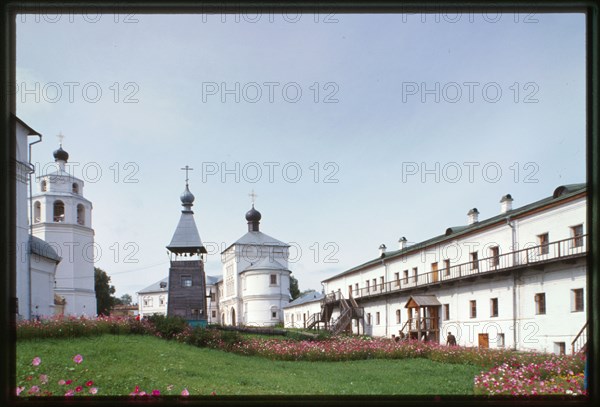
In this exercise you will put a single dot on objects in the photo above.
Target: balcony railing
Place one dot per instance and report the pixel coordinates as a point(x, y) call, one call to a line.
point(561, 249)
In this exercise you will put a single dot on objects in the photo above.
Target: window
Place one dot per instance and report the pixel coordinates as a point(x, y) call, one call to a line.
point(369, 318)
point(405, 275)
point(447, 267)
point(381, 282)
point(44, 186)
point(161, 301)
point(415, 273)
point(577, 300)
point(494, 307)
point(367, 284)
point(147, 301)
point(559, 348)
point(75, 188)
point(474, 261)
point(543, 241)
point(80, 214)
point(500, 340)
point(540, 303)
point(214, 314)
point(446, 312)
point(473, 307)
point(273, 279)
point(397, 279)
point(374, 284)
point(274, 313)
point(377, 319)
point(59, 211)
point(398, 312)
point(37, 212)
point(577, 233)
point(212, 296)
point(186, 281)
point(495, 254)
point(356, 288)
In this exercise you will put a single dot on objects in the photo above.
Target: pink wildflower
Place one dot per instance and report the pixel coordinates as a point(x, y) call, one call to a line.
point(185, 392)
point(34, 390)
point(69, 393)
point(78, 359)
point(21, 388)
point(78, 388)
point(61, 382)
point(93, 390)
point(44, 379)
point(156, 392)
point(89, 383)
point(36, 361)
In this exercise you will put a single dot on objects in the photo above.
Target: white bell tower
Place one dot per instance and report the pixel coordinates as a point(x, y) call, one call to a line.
point(63, 218)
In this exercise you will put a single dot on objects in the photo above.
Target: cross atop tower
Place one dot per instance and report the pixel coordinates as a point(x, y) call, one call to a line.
point(187, 169)
point(60, 137)
point(253, 196)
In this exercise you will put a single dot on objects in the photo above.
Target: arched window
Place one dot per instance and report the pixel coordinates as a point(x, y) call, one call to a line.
point(75, 188)
point(80, 214)
point(43, 186)
point(274, 313)
point(59, 211)
point(37, 212)
point(397, 316)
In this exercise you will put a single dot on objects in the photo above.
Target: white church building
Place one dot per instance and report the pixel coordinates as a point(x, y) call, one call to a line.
point(36, 260)
point(514, 280)
point(253, 288)
point(62, 217)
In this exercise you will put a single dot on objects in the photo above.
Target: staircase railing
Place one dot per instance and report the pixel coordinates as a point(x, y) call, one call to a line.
point(580, 341)
point(313, 320)
point(342, 321)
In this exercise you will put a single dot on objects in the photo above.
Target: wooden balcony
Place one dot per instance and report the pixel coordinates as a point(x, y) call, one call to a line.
point(536, 256)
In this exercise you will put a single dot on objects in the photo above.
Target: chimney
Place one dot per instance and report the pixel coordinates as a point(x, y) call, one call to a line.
point(382, 250)
point(402, 243)
point(506, 203)
point(473, 216)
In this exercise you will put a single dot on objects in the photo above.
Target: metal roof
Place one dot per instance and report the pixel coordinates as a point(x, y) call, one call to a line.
point(186, 238)
point(257, 238)
point(305, 299)
point(560, 193)
point(155, 288)
point(266, 263)
point(41, 248)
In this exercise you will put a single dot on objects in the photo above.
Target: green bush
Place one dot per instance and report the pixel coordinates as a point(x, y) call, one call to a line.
point(167, 327)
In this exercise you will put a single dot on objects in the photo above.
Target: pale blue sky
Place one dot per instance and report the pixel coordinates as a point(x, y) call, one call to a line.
point(371, 136)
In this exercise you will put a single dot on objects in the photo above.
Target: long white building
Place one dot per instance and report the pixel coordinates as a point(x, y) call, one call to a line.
point(515, 280)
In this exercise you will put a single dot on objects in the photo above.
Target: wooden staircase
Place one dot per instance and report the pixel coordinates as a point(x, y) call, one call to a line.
point(419, 329)
point(349, 310)
point(579, 344)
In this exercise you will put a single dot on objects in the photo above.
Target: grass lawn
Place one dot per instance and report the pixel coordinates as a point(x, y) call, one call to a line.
point(116, 364)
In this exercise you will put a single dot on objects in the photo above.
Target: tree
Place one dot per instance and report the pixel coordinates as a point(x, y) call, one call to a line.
point(104, 292)
point(126, 299)
point(294, 290)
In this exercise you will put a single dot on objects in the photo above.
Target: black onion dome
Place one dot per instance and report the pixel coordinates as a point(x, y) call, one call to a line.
point(61, 154)
point(253, 215)
point(187, 198)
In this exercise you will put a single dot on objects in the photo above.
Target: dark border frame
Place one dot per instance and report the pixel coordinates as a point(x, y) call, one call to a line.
point(8, 187)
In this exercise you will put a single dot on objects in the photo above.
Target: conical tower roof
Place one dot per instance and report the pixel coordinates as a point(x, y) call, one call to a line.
point(186, 238)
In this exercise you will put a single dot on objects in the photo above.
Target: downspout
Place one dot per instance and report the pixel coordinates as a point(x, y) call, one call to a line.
point(385, 273)
point(515, 279)
point(31, 171)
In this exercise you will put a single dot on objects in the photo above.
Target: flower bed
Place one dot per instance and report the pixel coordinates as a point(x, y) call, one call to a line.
point(505, 372)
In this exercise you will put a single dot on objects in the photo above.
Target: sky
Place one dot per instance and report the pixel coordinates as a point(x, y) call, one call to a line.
point(352, 130)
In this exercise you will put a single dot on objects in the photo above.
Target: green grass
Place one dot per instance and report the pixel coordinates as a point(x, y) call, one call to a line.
point(117, 364)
